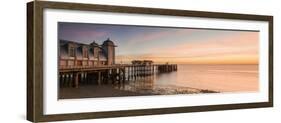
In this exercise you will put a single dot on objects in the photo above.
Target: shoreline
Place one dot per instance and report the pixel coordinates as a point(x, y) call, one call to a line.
point(93, 91)
point(98, 91)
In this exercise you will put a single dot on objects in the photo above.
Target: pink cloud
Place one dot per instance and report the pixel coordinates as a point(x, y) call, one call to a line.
point(244, 43)
point(235, 48)
point(85, 33)
point(145, 37)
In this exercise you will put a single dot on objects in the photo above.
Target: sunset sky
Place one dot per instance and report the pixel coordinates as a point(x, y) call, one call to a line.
point(173, 45)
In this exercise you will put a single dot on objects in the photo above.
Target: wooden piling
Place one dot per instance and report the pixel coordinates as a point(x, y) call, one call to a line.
point(99, 78)
point(76, 80)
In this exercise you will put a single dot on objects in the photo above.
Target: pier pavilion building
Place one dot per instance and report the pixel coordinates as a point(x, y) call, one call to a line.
point(73, 54)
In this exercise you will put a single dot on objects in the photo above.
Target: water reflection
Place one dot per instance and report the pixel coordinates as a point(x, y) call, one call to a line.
point(147, 86)
point(198, 79)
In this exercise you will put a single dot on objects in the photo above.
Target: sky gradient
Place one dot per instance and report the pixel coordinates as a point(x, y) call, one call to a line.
point(172, 45)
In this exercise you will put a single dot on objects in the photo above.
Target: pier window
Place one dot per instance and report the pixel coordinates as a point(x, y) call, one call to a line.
point(71, 51)
point(96, 51)
point(85, 52)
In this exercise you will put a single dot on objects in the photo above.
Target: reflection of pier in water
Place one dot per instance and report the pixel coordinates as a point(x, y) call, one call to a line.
point(73, 76)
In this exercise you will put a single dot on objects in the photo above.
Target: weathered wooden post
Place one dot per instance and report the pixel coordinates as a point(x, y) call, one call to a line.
point(102, 77)
point(137, 71)
point(99, 78)
point(110, 75)
point(76, 80)
point(86, 77)
point(151, 69)
point(134, 73)
point(81, 77)
point(117, 75)
point(62, 80)
point(124, 74)
point(139, 68)
point(146, 67)
point(68, 80)
point(142, 70)
point(128, 73)
point(148, 70)
point(72, 80)
point(113, 75)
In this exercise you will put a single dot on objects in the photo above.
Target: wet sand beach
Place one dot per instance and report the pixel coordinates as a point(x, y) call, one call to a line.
point(95, 91)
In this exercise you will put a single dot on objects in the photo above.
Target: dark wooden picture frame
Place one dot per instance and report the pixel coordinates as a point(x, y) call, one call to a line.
point(35, 60)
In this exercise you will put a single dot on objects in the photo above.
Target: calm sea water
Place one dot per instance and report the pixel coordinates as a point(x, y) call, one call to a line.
point(221, 78)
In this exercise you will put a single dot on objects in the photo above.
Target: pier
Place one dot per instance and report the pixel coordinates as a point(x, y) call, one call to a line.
point(73, 76)
point(94, 64)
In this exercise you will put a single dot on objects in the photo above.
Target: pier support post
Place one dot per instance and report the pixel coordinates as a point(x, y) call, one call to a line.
point(124, 75)
point(76, 80)
point(62, 80)
point(69, 80)
point(99, 78)
point(134, 73)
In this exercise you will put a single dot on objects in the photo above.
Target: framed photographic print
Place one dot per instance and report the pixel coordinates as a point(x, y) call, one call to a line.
point(96, 61)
